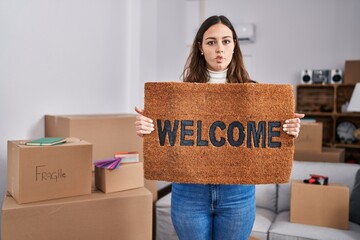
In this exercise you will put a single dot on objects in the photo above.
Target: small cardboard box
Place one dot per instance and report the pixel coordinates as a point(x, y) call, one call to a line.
point(320, 205)
point(352, 71)
point(127, 176)
point(109, 133)
point(122, 215)
point(326, 155)
point(253, 238)
point(310, 137)
point(36, 173)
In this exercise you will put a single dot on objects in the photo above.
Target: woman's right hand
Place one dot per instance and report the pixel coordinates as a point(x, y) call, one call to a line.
point(143, 125)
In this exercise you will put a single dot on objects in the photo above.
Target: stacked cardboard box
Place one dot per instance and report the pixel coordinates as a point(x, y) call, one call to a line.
point(51, 187)
point(127, 176)
point(36, 173)
point(310, 137)
point(308, 146)
point(352, 71)
point(109, 133)
point(120, 215)
point(310, 204)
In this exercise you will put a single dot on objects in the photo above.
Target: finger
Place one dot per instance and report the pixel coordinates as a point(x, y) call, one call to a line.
point(288, 129)
point(292, 131)
point(292, 125)
point(144, 128)
point(295, 134)
point(141, 118)
point(293, 120)
point(139, 110)
point(299, 115)
point(142, 132)
point(147, 122)
point(141, 124)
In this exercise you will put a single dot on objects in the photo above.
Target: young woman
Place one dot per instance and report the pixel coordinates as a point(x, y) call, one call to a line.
point(214, 211)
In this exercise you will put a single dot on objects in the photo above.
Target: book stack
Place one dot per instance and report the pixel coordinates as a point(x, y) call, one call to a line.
point(127, 157)
point(46, 141)
point(119, 157)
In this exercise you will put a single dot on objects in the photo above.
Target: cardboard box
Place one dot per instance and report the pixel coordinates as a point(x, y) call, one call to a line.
point(326, 155)
point(352, 71)
point(36, 173)
point(320, 205)
point(123, 215)
point(310, 137)
point(109, 133)
point(253, 238)
point(127, 176)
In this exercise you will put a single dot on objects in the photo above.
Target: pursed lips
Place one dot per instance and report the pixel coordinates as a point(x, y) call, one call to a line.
point(219, 58)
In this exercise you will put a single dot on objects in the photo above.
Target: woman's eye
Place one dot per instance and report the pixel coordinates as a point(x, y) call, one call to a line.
point(227, 41)
point(211, 43)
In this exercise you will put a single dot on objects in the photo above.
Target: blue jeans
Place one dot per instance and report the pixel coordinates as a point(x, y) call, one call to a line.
point(218, 212)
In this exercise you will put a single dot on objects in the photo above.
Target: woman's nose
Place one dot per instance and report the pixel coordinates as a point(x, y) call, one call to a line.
point(219, 49)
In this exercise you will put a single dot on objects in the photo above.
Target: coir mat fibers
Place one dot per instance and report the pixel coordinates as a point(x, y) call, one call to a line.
point(218, 133)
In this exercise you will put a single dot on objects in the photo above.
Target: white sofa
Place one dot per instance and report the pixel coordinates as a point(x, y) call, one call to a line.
point(273, 207)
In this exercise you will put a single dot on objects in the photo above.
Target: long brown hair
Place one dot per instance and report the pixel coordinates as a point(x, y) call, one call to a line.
point(195, 68)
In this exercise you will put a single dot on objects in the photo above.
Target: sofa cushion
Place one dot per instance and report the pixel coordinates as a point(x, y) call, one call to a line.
point(283, 229)
point(164, 227)
point(355, 200)
point(263, 221)
point(266, 196)
point(302, 170)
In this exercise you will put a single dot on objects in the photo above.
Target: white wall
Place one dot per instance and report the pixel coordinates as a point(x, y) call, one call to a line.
point(88, 56)
point(64, 57)
point(294, 35)
point(172, 52)
point(291, 35)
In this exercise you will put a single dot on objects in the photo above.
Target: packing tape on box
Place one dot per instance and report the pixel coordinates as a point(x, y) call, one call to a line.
point(218, 133)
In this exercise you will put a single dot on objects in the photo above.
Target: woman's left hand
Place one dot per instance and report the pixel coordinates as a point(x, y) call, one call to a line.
point(292, 126)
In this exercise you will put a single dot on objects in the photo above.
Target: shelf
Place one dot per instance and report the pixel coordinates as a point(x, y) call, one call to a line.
point(343, 95)
point(324, 85)
point(325, 114)
point(349, 114)
point(323, 102)
point(315, 99)
point(346, 145)
point(329, 114)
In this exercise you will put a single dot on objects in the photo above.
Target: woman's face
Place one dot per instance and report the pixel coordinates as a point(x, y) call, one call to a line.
point(218, 47)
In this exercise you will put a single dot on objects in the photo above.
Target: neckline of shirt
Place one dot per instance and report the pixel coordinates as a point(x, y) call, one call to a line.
point(217, 77)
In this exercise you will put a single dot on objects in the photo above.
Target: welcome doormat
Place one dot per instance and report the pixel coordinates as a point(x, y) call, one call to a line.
point(218, 133)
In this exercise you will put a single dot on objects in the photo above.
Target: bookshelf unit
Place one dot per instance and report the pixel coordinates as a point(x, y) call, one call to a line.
point(324, 104)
